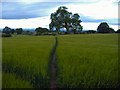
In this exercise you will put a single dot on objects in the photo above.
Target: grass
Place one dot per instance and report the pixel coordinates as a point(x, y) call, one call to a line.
point(12, 81)
point(28, 58)
point(87, 61)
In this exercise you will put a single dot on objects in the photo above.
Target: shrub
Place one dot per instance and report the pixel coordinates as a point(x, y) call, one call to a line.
point(6, 35)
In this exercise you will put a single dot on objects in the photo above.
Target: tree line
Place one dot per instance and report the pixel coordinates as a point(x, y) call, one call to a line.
point(8, 32)
point(61, 19)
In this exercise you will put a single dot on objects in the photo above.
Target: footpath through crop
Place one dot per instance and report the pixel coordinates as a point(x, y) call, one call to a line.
point(53, 67)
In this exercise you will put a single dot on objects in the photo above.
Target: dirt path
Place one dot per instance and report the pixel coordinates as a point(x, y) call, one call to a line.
point(53, 68)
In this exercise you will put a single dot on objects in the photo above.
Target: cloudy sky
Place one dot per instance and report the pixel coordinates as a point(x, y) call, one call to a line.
point(36, 13)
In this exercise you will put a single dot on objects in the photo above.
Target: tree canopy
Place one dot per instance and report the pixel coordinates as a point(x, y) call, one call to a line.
point(41, 30)
point(7, 30)
point(104, 28)
point(19, 30)
point(64, 19)
point(118, 31)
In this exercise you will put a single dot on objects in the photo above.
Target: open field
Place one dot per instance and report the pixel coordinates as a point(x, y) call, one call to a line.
point(28, 58)
point(83, 61)
point(89, 60)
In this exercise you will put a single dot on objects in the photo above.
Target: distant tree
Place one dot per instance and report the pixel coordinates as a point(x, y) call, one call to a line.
point(41, 30)
point(27, 32)
point(111, 30)
point(12, 31)
point(104, 28)
point(19, 30)
point(64, 19)
point(118, 31)
point(6, 30)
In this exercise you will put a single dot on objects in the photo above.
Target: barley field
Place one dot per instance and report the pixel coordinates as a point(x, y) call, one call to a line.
point(28, 58)
point(83, 61)
point(87, 61)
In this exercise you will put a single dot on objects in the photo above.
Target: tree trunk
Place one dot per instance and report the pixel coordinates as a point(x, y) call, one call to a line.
point(74, 31)
point(67, 28)
point(57, 29)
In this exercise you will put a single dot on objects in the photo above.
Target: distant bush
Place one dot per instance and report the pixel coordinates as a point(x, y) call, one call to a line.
point(27, 33)
point(6, 35)
point(41, 31)
point(91, 31)
point(19, 30)
point(118, 31)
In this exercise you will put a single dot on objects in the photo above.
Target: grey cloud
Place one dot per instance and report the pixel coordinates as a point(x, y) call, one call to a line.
point(18, 10)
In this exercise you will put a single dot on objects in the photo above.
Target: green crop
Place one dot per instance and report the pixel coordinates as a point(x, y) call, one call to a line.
point(28, 57)
point(83, 61)
point(12, 81)
point(87, 61)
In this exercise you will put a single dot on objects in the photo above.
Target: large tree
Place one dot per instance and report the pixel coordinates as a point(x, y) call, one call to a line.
point(76, 23)
point(64, 19)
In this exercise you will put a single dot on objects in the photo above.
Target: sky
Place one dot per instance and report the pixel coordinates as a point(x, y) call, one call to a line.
point(36, 13)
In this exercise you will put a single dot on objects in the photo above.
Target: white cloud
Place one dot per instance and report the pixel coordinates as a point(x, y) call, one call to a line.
point(115, 27)
point(93, 26)
point(25, 23)
point(101, 10)
point(89, 26)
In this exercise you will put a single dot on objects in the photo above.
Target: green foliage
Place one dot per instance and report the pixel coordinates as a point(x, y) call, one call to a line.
point(12, 81)
point(40, 30)
point(8, 30)
point(64, 19)
point(118, 31)
point(90, 31)
point(87, 61)
point(104, 28)
point(19, 30)
point(76, 23)
point(111, 30)
point(28, 58)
